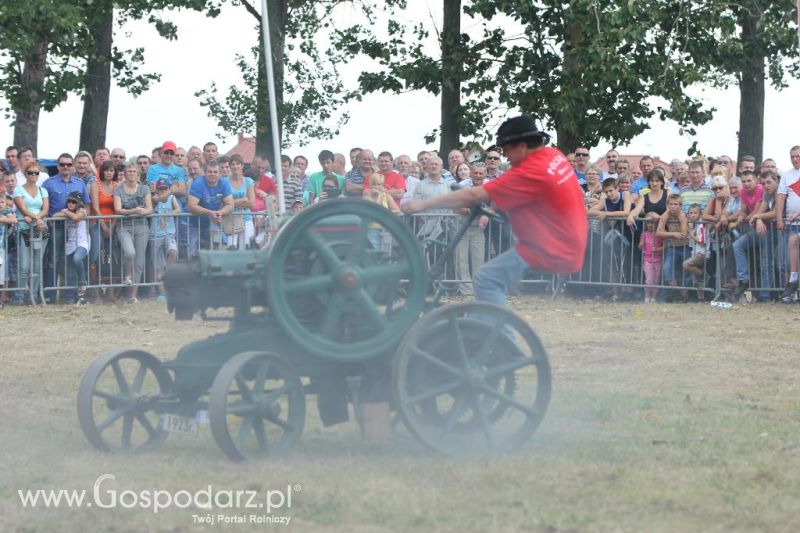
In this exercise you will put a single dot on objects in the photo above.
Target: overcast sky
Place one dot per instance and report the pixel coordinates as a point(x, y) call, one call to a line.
point(204, 53)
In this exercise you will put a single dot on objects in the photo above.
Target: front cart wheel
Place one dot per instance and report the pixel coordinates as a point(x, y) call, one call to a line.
point(114, 407)
point(256, 406)
point(471, 378)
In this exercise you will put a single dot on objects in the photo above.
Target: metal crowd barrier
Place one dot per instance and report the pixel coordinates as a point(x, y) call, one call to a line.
point(614, 263)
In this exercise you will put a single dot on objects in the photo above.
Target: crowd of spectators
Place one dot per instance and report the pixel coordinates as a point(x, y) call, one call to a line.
point(687, 224)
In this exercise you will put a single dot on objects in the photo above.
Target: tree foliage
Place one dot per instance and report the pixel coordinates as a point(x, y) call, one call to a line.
point(589, 70)
point(61, 33)
point(311, 92)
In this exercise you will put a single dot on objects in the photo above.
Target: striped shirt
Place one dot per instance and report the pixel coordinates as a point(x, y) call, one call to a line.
point(701, 196)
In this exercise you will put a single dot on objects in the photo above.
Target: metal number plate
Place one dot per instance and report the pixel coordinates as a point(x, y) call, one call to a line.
point(178, 424)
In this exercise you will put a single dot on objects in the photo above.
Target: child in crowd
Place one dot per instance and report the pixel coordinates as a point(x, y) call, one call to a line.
point(673, 228)
point(652, 249)
point(163, 247)
point(377, 194)
point(76, 247)
point(7, 220)
point(695, 265)
point(613, 207)
point(377, 235)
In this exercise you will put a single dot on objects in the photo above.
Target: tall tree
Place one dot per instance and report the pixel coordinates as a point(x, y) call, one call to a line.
point(452, 75)
point(309, 91)
point(104, 58)
point(750, 43)
point(588, 70)
point(98, 83)
point(35, 72)
point(595, 71)
point(406, 65)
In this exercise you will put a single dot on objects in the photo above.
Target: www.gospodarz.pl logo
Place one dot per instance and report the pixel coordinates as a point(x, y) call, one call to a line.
point(103, 496)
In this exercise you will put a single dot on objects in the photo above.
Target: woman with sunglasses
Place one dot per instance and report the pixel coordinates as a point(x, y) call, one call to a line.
point(32, 205)
point(724, 211)
point(133, 200)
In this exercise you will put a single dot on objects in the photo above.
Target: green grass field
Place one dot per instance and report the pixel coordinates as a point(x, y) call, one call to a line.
point(663, 418)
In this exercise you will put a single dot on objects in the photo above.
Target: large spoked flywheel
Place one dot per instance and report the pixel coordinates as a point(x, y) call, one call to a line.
point(471, 378)
point(346, 279)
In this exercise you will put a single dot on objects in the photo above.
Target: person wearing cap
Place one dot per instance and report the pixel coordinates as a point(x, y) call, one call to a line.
point(163, 247)
point(168, 170)
point(545, 205)
point(76, 247)
point(59, 187)
point(176, 177)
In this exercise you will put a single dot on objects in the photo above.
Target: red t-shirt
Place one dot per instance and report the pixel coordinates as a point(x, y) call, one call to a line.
point(751, 199)
point(546, 208)
point(267, 185)
point(391, 180)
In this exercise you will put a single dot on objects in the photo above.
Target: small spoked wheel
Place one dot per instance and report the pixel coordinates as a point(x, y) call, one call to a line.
point(256, 406)
point(115, 400)
point(471, 378)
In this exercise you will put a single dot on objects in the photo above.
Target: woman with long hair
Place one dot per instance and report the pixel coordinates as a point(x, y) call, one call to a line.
point(133, 200)
point(462, 172)
point(243, 198)
point(32, 205)
point(102, 195)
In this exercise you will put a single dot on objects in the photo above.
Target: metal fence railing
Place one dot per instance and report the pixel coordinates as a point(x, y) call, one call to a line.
point(129, 254)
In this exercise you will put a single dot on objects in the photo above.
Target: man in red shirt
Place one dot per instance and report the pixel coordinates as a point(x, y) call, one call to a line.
point(545, 205)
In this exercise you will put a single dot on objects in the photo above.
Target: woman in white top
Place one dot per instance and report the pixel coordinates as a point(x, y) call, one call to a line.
point(32, 206)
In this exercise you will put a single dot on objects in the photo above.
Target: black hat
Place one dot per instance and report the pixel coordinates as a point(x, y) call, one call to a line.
point(517, 129)
point(76, 197)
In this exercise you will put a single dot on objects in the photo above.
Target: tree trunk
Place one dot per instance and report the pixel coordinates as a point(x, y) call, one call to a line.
point(568, 139)
point(278, 15)
point(26, 122)
point(98, 85)
point(452, 75)
point(751, 90)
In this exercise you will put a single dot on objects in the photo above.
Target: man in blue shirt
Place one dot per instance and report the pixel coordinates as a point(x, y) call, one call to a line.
point(176, 177)
point(211, 198)
point(58, 188)
point(646, 164)
point(581, 163)
point(169, 171)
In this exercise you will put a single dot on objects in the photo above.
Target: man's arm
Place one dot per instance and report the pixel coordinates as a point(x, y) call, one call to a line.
point(780, 202)
point(227, 205)
point(193, 205)
point(461, 198)
point(353, 188)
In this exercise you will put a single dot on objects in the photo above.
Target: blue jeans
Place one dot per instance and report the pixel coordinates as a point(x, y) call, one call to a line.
point(674, 256)
point(54, 257)
point(770, 255)
point(495, 278)
point(77, 267)
point(30, 268)
point(741, 248)
point(769, 251)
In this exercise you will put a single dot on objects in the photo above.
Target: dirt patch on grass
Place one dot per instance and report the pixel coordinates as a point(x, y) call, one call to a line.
point(663, 418)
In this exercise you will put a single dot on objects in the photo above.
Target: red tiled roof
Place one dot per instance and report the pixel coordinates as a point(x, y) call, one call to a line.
point(634, 161)
point(246, 148)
